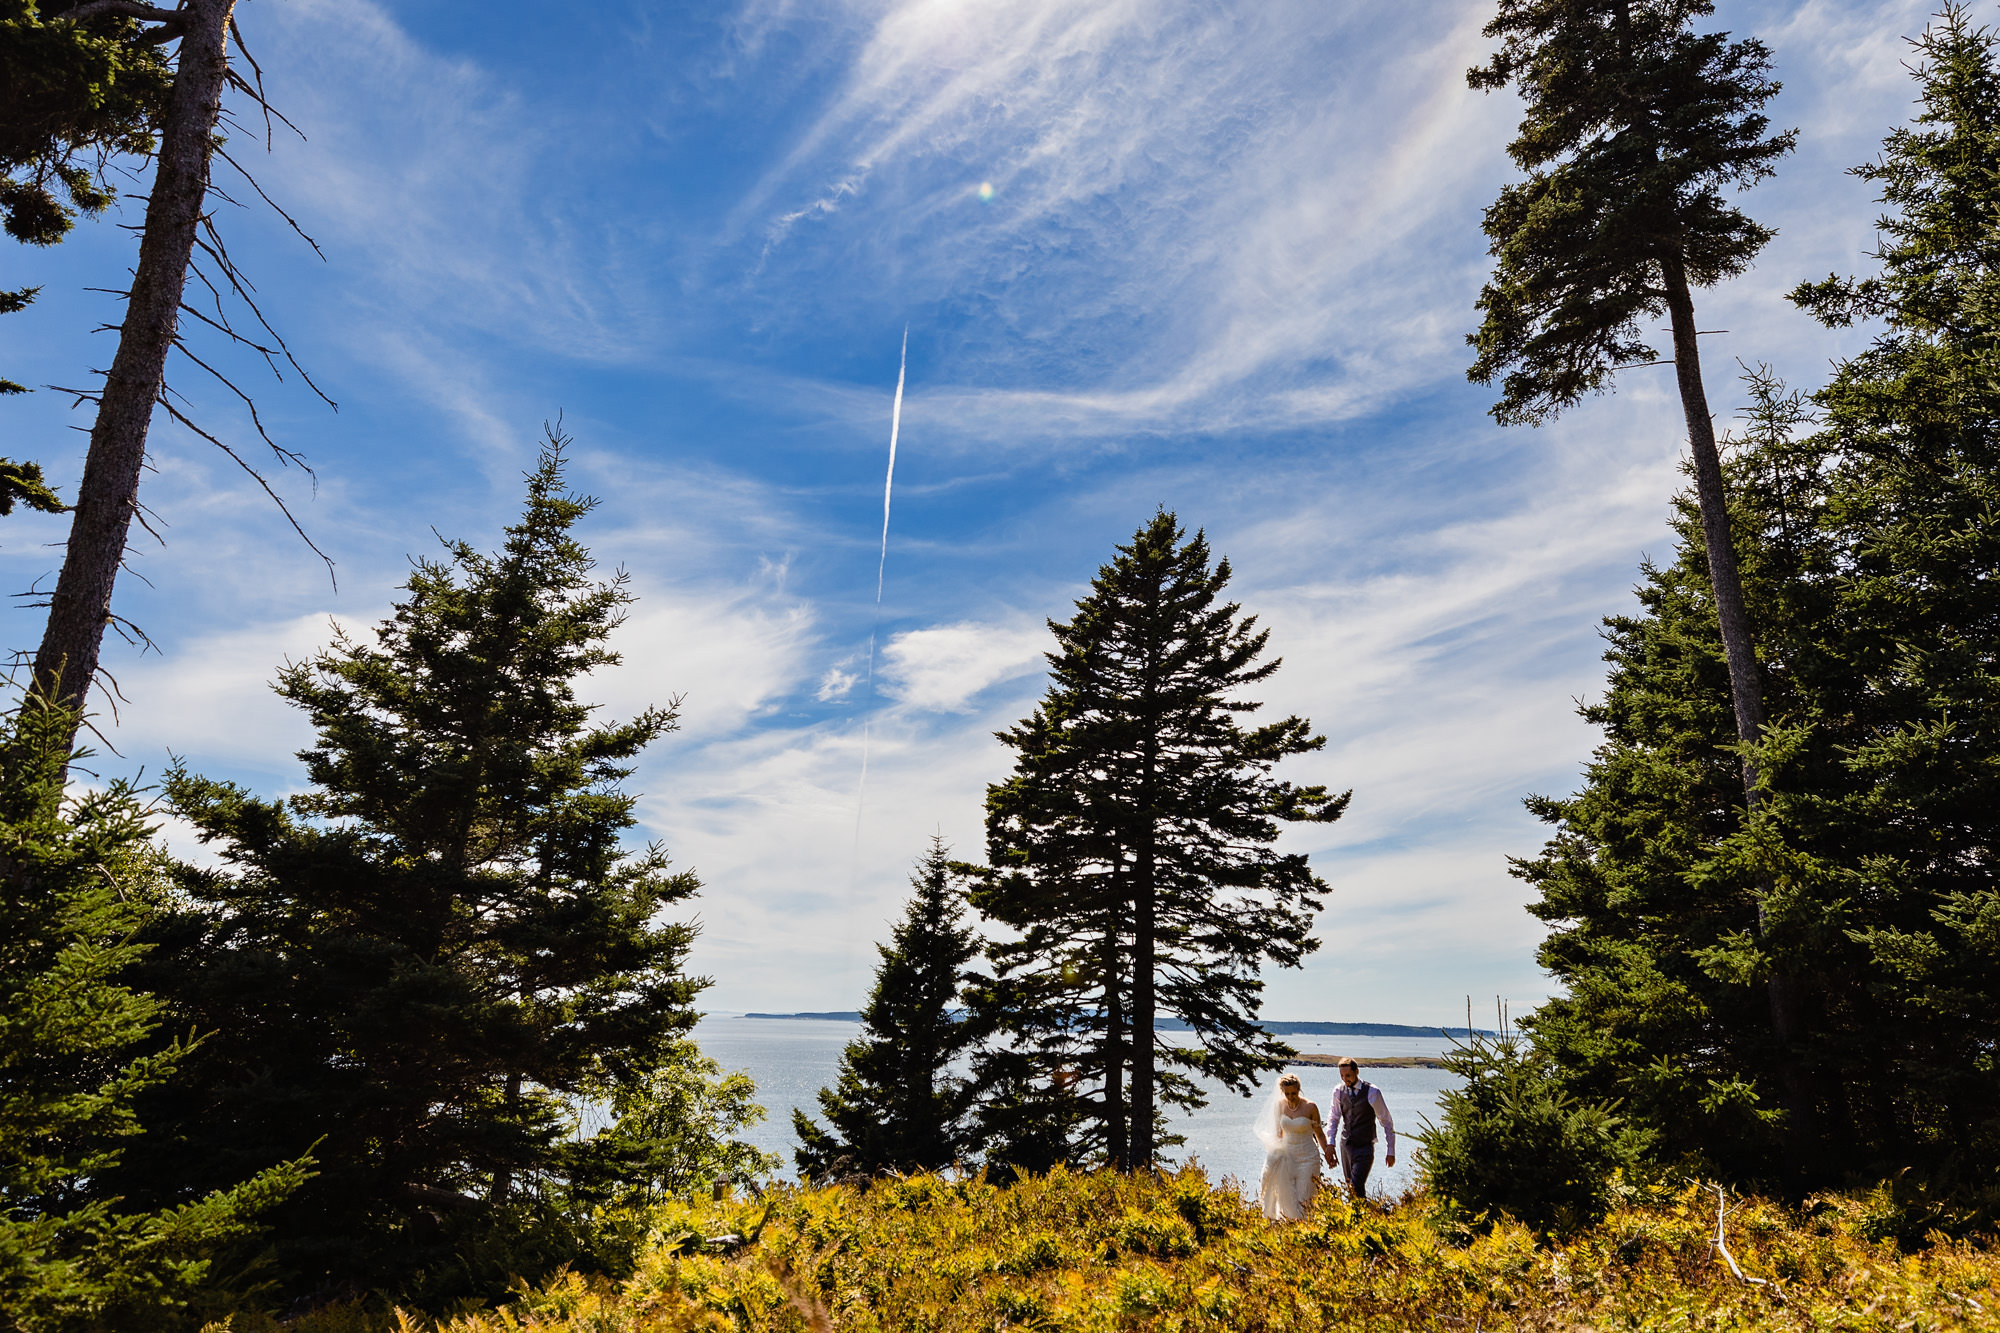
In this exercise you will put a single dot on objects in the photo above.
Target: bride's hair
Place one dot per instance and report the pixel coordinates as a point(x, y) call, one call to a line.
point(1267, 1125)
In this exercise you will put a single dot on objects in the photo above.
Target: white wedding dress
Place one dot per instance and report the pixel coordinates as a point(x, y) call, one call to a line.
point(1291, 1168)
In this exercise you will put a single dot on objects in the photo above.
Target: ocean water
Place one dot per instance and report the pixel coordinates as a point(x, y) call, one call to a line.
point(792, 1058)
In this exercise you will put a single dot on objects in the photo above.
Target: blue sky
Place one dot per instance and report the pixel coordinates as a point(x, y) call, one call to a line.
point(1220, 258)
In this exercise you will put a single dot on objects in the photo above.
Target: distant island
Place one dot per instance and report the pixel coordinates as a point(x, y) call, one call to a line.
point(1277, 1028)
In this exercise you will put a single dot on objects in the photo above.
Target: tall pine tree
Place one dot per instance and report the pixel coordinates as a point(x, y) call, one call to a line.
point(1866, 873)
point(1912, 442)
point(896, 1105)
point(1635, 126)
point(1131, 854)
point(420, 962)
point(78, 878)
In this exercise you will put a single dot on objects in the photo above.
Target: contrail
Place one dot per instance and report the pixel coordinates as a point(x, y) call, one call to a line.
point(889, 482)
point(881, 567)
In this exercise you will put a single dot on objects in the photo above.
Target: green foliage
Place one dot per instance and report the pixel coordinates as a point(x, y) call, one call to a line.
point(1514, 1144)
point(78, 877)
point(425, 959)
point(895, 1106)
point(12, 302)
point(1936, 241)
point(1104, 1252)
point(1868, 541)
point(72, 95)
point(22, 483)
point(1131, 855)
point(672, 1134)
point(1634, 128)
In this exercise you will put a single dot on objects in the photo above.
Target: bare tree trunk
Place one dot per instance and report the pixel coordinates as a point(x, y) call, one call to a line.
point(1145, 1097)
point(1117, 1137)
point(108, 496)
point(503, 1178)
point(1745, 684)
point(1745, 687)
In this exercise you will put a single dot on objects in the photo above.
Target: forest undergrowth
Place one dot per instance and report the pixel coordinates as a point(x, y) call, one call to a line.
point(1105, 1251)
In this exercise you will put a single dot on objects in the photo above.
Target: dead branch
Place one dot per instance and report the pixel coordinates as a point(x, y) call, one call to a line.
point(131, 633)
point(286, 456)
point(82, 396)
point(145, 518)
point(256, 93)
point(222, 326)
point(130, 9)
point(1722, 1246)
point(258, 477)
point(289, 219)
point(241, 287)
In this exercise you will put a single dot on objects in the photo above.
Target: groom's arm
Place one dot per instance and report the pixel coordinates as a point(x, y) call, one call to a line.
point(1388, 1124)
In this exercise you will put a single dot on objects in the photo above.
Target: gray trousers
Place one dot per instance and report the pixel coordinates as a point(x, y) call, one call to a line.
point(1356, 1161)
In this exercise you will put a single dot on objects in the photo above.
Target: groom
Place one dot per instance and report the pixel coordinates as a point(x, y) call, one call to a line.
point(1357, 1108)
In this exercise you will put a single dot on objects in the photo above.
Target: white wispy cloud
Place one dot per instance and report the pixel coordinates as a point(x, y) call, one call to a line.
point(943, 668)
point(836, 684)
point(1236, 184)
point(1209, 225)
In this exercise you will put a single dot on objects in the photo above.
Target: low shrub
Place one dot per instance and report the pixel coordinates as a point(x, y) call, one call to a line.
point(1514, 1145)
point(1103, 1252)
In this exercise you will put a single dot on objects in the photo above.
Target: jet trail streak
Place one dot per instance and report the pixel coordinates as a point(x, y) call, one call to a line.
point(881, 567)
point(889, 482)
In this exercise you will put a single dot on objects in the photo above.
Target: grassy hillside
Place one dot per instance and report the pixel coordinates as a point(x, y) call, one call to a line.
point(1104, 1252)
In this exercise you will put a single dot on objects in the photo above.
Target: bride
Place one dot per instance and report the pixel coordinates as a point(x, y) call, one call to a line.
point(1294, 1143)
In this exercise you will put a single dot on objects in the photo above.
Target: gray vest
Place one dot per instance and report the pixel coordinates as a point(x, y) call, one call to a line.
point(1357, 1117)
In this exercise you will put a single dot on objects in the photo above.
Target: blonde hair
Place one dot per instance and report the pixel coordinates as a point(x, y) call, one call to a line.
point(1289, 1081)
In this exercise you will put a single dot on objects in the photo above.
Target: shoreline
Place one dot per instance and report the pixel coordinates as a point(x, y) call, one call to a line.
point(1320, 1061)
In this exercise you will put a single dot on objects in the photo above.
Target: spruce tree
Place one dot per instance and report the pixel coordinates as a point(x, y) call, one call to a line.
point(1131, 855)
point(1869, 546)
point(1635, 125)
point(1650, 886)
point(422, 960)
point(1912, 438)
point(896, 1105)
point(77, 879)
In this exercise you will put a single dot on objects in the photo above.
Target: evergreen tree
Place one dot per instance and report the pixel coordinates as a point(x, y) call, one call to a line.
point(1866, 873)
point(1654, 877)
point(1130, 852)
point(77, 878)
point(1912, 439)
point(1514, 1143)
point(419, 962)
point(896, 1107)
point(1635, 125)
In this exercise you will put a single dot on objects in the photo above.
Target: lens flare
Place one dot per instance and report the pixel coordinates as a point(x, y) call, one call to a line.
point(986, 192)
